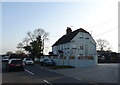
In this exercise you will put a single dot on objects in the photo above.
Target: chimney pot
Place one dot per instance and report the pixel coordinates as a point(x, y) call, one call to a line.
point(69, 30)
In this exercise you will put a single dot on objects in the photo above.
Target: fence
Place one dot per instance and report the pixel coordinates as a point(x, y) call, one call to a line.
point(81, 61)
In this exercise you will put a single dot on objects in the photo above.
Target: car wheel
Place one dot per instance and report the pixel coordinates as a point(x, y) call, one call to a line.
point(22, 69)
point(44, 64)
point(8, 69)
point(25, 63)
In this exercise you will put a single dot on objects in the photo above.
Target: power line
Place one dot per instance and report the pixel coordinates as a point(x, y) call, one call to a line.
point(97, 26)
point(102, 23)
point(106, 31)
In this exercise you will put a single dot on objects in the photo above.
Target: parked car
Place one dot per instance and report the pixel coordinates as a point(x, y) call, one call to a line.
point(101, 59)
point(15, 64)
point(28, 61)
point(47, 62)
point(5, 59)
point(42, 61)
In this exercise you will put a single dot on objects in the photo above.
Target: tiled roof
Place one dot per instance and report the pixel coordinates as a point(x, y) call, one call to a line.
point(68, 37)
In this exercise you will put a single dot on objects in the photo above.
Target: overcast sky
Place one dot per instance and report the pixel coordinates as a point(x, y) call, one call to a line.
point(99, 17)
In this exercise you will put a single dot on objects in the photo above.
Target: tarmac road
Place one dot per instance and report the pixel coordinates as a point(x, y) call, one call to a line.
point(102, 73)
point(38, 75)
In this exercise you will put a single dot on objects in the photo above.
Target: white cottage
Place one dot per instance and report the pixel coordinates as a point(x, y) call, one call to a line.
point(76, 48)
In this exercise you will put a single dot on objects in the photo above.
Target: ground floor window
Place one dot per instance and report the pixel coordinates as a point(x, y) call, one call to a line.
point(90, 57)
point(72, 57)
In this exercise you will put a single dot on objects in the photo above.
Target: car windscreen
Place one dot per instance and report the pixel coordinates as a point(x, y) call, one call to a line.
point(28, 59)
point(5, 58)
point(16, 61)
point(46, 60)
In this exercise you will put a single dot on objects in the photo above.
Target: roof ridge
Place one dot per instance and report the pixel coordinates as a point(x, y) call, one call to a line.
point(68, 37)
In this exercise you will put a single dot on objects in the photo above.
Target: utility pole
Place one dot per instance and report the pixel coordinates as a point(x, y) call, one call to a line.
point(43, 47)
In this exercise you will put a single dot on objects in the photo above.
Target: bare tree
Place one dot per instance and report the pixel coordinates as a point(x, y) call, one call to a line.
point(103, 45)
point(25, 41)
point(37, 32)
point(30, 36)
point(20, 46)
point(33, 43)
point(42, 33)
point(9, 52)
point(19, 52)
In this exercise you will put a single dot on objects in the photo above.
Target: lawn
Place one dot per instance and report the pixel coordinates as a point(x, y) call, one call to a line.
point(61, 67)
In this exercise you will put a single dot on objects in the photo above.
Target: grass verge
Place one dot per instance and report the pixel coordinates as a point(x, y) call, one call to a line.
point(62, 67)
point(37, 62)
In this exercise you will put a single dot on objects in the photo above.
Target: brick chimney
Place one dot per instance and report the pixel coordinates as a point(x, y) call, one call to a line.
point(68, 30)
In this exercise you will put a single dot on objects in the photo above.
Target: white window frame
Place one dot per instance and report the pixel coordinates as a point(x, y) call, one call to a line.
point(81, 47)
point(81, 36)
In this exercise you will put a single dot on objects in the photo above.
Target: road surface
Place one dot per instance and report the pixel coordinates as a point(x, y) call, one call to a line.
point(38, 75)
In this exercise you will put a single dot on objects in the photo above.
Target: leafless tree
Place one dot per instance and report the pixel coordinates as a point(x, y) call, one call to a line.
point(9, 52)
point(20, 46)
point(42, 33)
point(37, 32)
point(19, 52)
point(103, 45)
point(38, 35)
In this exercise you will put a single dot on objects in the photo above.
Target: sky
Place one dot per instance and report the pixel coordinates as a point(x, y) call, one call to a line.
point(99, 17)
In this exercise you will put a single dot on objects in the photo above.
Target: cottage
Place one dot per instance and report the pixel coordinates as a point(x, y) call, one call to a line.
point(76, 48)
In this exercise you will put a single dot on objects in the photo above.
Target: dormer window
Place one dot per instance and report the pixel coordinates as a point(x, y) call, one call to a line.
point(81, 36)
point(86, 38)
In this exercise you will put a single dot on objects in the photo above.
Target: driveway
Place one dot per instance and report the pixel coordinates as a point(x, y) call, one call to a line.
point(102, 73)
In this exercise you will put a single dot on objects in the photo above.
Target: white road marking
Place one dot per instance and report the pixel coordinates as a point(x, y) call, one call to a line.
point(50, 70)
point(81, 79)
point(29, 72)
point(73, 77)
point(78, 79)
point(47, 82)
point(93, 83)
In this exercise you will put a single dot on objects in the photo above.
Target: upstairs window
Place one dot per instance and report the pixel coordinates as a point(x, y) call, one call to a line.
point(61, 47)
point(81, 36)
point(81, 47)
point(81, 54)
point(74, 46)
point(86, 38)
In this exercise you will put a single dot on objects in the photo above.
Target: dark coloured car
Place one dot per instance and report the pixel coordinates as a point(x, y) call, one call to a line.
point(15, 64)
point(5, 59)
point(101, 59)
point(49, 62)
point(41, 61)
